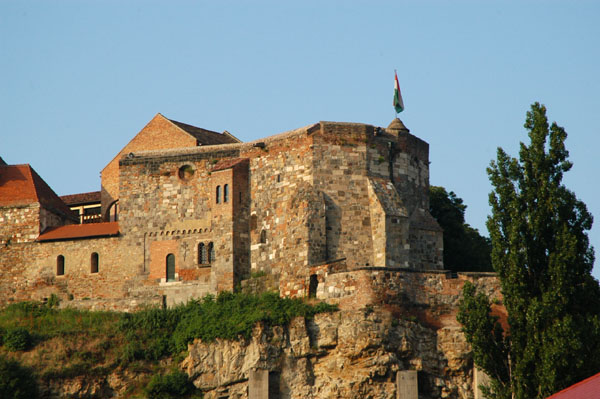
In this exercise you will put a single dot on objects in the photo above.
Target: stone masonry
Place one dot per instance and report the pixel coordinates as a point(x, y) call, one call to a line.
point(327, 201)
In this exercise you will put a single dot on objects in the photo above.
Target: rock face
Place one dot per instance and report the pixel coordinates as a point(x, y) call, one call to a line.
point(346, 354)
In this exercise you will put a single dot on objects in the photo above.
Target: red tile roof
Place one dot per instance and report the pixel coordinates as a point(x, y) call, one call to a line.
point(21, 185)
point(74, 231)
point(82, 198)
point(586, 389)
point(228, 163)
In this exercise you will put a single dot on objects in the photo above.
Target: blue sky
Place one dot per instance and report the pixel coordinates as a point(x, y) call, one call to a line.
point(78, 79)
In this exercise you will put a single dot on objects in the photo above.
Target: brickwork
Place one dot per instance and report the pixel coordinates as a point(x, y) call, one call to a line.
point(324, 208)
point(159, 133)
point(19, 224)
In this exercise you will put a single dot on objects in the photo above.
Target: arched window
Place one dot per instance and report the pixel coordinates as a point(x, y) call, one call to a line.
point(94, 263)
point(60, 265)
point(211, 253)
point(201, 254)
point(226, 193)
point(170, 267)
point(218, 194)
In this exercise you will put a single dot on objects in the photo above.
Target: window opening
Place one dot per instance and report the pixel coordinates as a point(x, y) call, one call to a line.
point(170, 267)
point(263, 236)
point(201, 253)
point(94, 262)
point(312, 286)
point(218, 193)
point(60, 265)
point(226, 193)
point(211, 253)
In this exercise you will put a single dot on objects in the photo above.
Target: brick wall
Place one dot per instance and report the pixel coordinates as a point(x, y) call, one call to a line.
point(159, 133)
point(20, 223)
point(297, 203)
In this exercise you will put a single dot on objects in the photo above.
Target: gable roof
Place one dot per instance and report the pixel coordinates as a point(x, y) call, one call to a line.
point(204, 136)
point(586, 389)
point(21, 185)
point(74, 231)
point(81, 198)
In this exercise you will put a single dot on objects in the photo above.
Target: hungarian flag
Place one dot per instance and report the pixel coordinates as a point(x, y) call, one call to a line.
point(398, 103)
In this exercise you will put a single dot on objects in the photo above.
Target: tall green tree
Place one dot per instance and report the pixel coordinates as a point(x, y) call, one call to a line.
point(541, 252)
point(464, 248)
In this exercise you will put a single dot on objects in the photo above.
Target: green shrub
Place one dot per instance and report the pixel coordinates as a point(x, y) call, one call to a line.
point(173, 385)
point(16, 381)
point(53, 301)
point(17, 339)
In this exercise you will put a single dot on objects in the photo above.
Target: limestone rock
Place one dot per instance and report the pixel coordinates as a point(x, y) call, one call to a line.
point(346, 354)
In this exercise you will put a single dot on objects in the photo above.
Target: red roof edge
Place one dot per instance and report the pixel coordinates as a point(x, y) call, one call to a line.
point(567, 394)
point(77, 231)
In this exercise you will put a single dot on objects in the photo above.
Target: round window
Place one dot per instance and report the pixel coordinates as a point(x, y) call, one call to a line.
point(186, 172)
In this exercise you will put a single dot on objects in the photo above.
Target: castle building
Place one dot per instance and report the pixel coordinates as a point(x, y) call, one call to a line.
point(317, 211)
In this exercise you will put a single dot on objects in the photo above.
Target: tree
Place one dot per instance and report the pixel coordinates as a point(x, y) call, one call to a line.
point(16, 381)
point(464, 248)
point(541, 252)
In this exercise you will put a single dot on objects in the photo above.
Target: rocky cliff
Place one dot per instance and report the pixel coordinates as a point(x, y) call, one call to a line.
point(346, 354)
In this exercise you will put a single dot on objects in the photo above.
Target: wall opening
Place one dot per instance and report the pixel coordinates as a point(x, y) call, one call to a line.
point(263, 236)
point(94, 263)
point(226, 193)
point(201, 254)
point(60, 265)
point(312, 286)
point(218, 195)
point(211, 253)
point(185, 172)
point(170, 267)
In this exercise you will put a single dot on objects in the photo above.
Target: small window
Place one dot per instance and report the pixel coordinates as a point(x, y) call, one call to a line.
point(226, 193)
point(263, 236)
point(211, 253)
point(170, 267)
point(312, 286)
point(201, 254)
point(60, 265)
point(94, 263)
point(218, 195)
point(240, 194)
point(186, 172)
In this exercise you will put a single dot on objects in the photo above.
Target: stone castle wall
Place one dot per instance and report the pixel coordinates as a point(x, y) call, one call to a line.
point(329, 196)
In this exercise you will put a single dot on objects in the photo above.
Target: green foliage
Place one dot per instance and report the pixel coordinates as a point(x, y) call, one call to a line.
point(45, 321)
point(53, 301)
point(464, 248)
point(156, 333)
point(17, 339)
point(16, 381)
point(541, 252)
point(172, 385)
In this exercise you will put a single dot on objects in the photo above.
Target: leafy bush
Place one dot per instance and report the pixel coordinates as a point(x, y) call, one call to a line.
point(173, 385)
point(16, 381)
point(17, 339)
point(156, 333)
